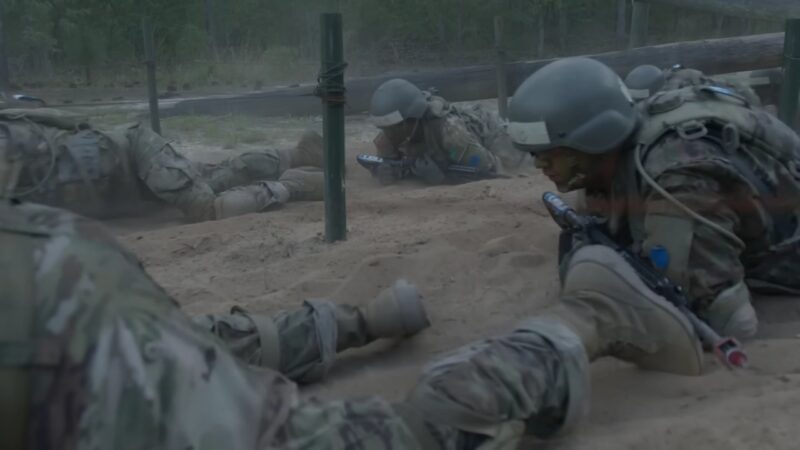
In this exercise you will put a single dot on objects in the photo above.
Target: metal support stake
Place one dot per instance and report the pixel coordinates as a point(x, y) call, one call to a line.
point(331, 89)
point(502, 77)
point(150, 64)
point(790, 90)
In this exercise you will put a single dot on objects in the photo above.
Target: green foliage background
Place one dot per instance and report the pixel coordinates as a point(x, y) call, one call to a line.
point(219, 41)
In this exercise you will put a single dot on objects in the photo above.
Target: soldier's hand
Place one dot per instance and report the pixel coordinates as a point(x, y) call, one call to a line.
point(427, 170)
point(388, 173)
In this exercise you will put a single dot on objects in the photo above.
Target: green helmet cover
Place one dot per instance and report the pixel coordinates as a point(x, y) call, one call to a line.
point(644, 81)
point(577, 103)
point(395, 101)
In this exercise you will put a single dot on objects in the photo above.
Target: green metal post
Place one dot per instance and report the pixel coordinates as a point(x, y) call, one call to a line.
point(790, 91)
point(333, 98)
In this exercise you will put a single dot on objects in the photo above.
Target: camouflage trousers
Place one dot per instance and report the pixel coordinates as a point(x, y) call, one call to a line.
point(110, 361)
point(301, 344)
point(488, 394)
point(193, 187)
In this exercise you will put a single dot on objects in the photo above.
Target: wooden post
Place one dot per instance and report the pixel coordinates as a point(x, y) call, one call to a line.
point(639, 18)
point(150, 63)
point(622, 21)
point(790, 91)
point(333, 98)
point(502, 77)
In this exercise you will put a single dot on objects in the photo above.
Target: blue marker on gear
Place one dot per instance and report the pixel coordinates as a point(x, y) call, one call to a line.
point(659, 256)
point(474, 161)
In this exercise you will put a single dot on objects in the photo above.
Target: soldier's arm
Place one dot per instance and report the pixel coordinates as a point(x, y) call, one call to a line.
point(385, 148)
point(702, 259)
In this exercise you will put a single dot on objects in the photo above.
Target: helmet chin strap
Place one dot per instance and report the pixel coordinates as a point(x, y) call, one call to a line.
point(410, 135)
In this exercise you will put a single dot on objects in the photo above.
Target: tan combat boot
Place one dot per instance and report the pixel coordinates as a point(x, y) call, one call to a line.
point(294, 185)
point(308, 151)
point(256, 197)
point(396, 312)
point(605, 302)
point(305, 184)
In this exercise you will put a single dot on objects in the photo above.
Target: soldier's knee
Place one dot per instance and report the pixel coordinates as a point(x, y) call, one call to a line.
point(536, 375)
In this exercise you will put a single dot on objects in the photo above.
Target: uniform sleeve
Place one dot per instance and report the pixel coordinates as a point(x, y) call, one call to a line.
point(701, 259)
point(463, 148)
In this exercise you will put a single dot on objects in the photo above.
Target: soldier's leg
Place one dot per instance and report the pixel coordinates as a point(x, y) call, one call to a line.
point(302, 344)
point(169, 175)
point(263, 165)
point(300, 184)
point(535, 379)
point(369, 423)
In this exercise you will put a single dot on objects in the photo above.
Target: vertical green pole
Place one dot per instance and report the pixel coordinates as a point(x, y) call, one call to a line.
point(333, 98)
point(790, 91)
point(150, 64)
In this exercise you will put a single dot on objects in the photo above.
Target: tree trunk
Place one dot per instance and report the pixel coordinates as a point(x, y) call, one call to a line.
point(719, 22)
point(562, 26)
point(5, 82)
point(57, 32)
point(211, 27)
point(747, 26)
point(622, 21)
point(540, 43)
point(639, 24)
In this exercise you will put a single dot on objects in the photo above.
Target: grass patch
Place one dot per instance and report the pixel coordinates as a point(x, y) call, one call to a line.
point(226, 131)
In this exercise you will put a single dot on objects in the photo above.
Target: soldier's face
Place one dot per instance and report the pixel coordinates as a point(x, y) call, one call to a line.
point(567, 168)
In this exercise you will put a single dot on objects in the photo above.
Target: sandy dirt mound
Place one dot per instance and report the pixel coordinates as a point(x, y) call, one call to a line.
point(484, 256)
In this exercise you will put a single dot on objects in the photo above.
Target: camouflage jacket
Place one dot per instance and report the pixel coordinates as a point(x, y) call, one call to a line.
point(679, 77)
point(746, 182)
point(118, 365)
point(67, 163)
point(456, 135)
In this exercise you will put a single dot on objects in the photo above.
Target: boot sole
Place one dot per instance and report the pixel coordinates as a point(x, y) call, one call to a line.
point(597, 260)
point(410, 306)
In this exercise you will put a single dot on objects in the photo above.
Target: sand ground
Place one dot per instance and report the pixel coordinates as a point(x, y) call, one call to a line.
point(483, 254)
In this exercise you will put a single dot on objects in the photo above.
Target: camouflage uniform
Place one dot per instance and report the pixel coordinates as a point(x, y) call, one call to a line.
point(67, 163)
point(456, 135)
point(101, 357)
point(736, 166)
point(96, 355)
point(679, 77)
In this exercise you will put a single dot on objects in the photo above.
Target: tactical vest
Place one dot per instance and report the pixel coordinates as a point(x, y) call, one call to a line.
point(720, 115)
point(66, 163)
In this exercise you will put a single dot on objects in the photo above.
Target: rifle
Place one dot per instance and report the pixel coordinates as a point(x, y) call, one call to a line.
point(727, 349)
point(404, 167)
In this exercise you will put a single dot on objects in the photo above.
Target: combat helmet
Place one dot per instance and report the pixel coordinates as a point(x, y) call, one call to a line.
point(395, 101)
point(577, 103)
point(644, 81)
